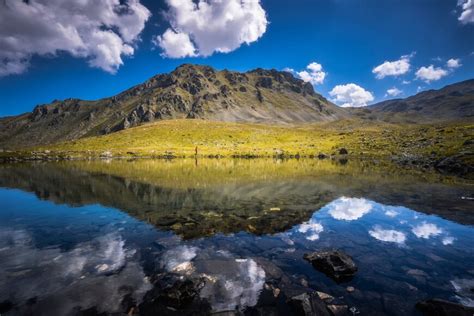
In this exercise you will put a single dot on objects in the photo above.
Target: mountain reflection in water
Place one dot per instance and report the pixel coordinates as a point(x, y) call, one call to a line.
point(100, 232)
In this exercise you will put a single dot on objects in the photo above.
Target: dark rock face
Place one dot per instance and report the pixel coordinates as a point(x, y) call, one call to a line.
point(308, 89)
point(440, 307)
point(334, 263)
point(265, 82)
point(308, 304)
point(149, 116)
point(235, 78)
point(38, 113)
point(259, 96)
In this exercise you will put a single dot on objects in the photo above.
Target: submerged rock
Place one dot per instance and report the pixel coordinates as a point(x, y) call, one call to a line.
point(441, 307)
point(308, 304)
point(334, 263)
point(173, 294)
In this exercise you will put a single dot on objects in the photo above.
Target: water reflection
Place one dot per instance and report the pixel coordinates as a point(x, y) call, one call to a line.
point(94, 273)
point(98, 241)
point(388, 235)
point(349, 209)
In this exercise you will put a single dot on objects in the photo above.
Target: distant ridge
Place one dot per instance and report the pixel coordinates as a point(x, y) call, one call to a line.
point(451, 103)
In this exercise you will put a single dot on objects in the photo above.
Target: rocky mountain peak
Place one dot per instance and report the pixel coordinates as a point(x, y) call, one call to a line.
point(189, 91)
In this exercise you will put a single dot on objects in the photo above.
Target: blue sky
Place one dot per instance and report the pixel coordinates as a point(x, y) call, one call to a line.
point(346, 38)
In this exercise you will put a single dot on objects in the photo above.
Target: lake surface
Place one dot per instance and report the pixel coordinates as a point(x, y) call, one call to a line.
point(85, 238)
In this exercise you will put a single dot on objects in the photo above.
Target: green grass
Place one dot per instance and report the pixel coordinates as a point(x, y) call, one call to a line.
point(362, 139)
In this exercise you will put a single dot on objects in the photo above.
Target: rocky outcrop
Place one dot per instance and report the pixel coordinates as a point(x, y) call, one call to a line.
point(334, 263)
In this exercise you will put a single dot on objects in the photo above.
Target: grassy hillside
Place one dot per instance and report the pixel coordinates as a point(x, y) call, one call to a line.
point(361, 139)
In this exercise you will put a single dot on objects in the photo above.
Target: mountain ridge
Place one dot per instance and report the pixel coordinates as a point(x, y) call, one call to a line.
point(452, 102)
point(190, 91)
point(200, 92)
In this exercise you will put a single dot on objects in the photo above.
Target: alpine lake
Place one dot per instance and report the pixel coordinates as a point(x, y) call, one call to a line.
point(229, 237)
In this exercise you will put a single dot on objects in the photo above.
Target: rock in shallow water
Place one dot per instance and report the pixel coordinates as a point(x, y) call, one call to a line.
point(173, 294)
point(308, 304)
point(441, 307)
point(334, 263)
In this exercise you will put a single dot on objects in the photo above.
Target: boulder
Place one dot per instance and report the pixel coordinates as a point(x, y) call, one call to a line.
point(441, 307)
point(334, 263)
point(225, 90)
point(124, 124)
point(343, 151)
point(308, 304)
point(106, 154)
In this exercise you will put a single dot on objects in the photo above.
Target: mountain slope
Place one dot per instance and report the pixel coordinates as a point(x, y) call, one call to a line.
point(189, 91)
point(453, 102)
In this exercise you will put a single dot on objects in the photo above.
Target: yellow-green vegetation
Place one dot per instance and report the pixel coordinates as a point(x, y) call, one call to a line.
point(180, 138)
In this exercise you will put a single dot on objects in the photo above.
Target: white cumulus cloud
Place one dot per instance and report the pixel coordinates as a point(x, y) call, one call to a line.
point(100, 31)
point(393, 92)
point(393, 68)
point(207, 26)
point(453, 63)
point(314, 74)
point(426, 230)
point(387, 235)
point(351, 95)
point(467, 14)
point(175, 45)
point(349, 209)
point(430, 73)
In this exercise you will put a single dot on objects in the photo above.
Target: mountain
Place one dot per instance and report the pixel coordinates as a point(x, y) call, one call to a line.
point(201, 92)
point(190, 91)
point(451, 103)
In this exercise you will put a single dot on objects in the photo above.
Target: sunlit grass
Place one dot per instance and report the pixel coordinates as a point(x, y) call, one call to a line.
point(180, 138)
